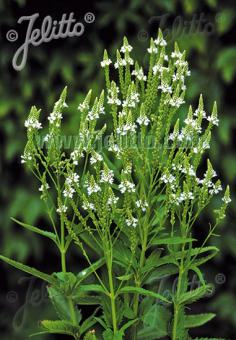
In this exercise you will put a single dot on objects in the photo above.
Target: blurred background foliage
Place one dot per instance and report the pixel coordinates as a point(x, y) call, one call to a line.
point(206, 29)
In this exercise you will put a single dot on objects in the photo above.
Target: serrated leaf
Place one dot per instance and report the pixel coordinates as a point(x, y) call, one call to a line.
point(155, 320)
point(61, 304)
point(197, 320)
point(194, 295)
point(28, 270)
point(60, 327)
point(142, 291)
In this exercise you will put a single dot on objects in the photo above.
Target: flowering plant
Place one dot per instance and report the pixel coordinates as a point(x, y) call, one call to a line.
point(127, 196)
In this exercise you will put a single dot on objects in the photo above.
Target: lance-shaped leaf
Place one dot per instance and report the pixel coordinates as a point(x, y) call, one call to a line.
point(192, 321)
point(194, 294)
point(28, 269)
point(142, 291)
point(36, 230)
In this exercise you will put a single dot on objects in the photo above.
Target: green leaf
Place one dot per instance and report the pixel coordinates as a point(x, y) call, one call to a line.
point(28, 269)
point(161, 272)
point(197, 320)
point(36, 230)
point(225, 20)
point(91, 288)
point(87, 299)
point(199, 274)
point(226, 63)
point(60, 327)
point(90, 336)
point(155, 321)
point(91, 243)
point(151, 262)
point(125, 277)
point(172, 240)
point(192, 253)
point(89, 270)
point(88, 323)
point(61, 304)
point(194, 294)
point(142, 291)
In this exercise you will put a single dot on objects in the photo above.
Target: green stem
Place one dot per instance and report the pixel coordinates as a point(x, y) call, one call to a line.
point(112, 297)
point(176, 304)
point(138, 283)
point(63, 267)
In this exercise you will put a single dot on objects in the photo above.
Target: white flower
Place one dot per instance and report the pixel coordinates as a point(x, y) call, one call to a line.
point(132, 100)
point(105, 62)
point(120, 62)
point(72, 179)
point(126, 186)
point(92, 116)
point(75, 155)
point(215, 189)
point(114, 148)
point(132, 221)
point(122, 114)
point(165, 88)
point(157, 68)
point(83, 107)
point(112, 200)
point(181, 63)
point(33, 123)
point(139, 74)
point(167, 178)
point(177, 76)
point(227, 200)
point(44, 187)
point(214, 120)
point(26, 157)
point(129, 60)
point(178, 199)
point(152, 49)
point(93, 188)
point(194, 124)
point(128, 169)
point(160, 42)
point(107, 176)
point(61, 209)
point(112, 101)
point(196, 113)
point(177, 55)
point(102, 110)
point(88, 206)
point(124, 129)
point(126, 48)
point(142, 204)
point(68, 192)
point(54, 116)
point(176, 102)
point(112, 97)
point(143, 120)
point(96, 157)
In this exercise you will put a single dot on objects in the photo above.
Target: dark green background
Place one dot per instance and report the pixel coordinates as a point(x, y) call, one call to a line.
point(211, 51)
